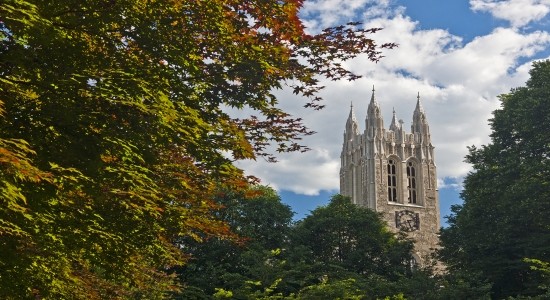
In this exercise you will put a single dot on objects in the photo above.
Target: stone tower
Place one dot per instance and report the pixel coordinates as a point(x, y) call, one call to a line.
point(393, 172)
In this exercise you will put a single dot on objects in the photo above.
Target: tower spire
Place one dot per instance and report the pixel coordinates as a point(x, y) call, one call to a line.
point(351, 117)
point(419, 107)
point(419, 116)
point(394, 126)
point(420, 122)
point(374, 122)
point(352, 127)
point(374, 107)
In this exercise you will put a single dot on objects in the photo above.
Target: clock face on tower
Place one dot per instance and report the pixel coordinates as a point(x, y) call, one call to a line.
point(407, 220)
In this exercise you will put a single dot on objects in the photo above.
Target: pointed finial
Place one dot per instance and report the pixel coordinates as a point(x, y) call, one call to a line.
point(394, 125)
point(419, 104)
point(351, 123)
point(351, 113)
point(373, 111)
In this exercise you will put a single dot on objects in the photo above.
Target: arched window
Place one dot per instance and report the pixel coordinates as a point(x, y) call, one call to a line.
point(392, 181)
point(411, 182)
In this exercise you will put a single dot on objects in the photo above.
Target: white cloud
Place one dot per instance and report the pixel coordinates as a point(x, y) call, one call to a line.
point(450, 183)
point(518, 12)
point(320, 14)
point(486, 60)
point(458, 84)
point(301, 173)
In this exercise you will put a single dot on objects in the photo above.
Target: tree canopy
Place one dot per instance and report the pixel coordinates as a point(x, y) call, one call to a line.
point(504, 220)
point(353, 237)
point(263, 224)
point(115, 130)
point(339, 251)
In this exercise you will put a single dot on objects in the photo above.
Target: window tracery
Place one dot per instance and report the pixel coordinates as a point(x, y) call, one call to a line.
point(392, 181)
point(411, 182)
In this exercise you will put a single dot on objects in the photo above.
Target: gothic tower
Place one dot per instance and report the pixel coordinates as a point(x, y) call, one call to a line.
point(393, 172)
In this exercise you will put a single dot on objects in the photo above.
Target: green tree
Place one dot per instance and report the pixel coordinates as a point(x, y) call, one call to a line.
point(342, 241)
point(262, 223)
point(504, 216)
point(278, 261)
point(115, 131)
point(343, 289)
point(353, 237)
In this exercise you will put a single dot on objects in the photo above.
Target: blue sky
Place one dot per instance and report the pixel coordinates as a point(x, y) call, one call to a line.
point(459, 55)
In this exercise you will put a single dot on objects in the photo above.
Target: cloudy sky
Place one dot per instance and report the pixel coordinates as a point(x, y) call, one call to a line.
point(459, 55)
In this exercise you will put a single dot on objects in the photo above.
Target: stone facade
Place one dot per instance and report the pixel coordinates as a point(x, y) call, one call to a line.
point(393, 172)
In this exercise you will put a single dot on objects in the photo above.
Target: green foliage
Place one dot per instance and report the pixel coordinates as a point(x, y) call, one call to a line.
point(280, 260)
point(354, 238)
point(246, 266)
point(353, 248)
point(457, 285)
point(222, 294)
point(343, 289)
point(115, 131)
point(504, 216)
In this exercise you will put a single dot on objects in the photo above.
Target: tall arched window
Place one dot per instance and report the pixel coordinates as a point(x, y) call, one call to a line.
point(411, 181)
point(392, 181)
